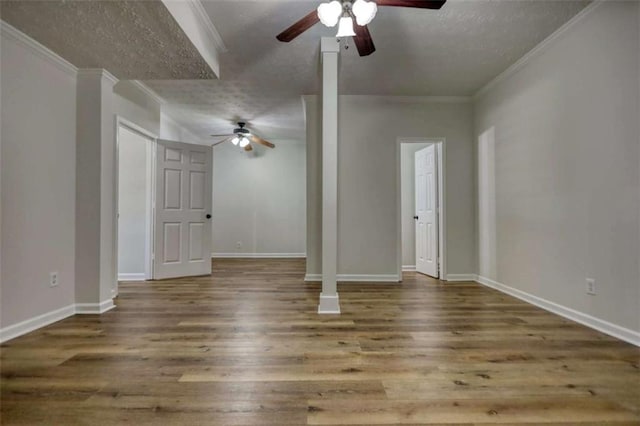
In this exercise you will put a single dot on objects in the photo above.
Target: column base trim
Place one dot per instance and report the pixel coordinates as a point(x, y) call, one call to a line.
point(329, 304)
point(357, 278)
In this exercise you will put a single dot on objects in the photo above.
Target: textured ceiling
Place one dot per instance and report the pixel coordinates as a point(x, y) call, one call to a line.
point(451, 52)
point(132, 39)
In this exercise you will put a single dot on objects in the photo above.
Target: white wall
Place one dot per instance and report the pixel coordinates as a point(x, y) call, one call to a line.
point(567, 165)
point(259, 199)
point(313, 123)
point(38, 177)
point(487, 204)
point(173, 131)
point(0, 183)
point(408, 200)
point(367, 192)
point(133, 190)
point(38, 181)
point(132, 103)
point(95, 190)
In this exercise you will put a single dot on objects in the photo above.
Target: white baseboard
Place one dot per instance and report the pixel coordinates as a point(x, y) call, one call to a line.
point(313, 277)
point(460, 277)
point(408, 268)
point(94, 308)
point(378, 278)
point(35, 323)
point(606, 327)
point(131, 277)
point(356, 278)
point(329, 304)
point(258, 255)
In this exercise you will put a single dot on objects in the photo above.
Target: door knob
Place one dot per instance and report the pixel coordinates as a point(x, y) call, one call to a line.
point(208, 216)
point(415, 217)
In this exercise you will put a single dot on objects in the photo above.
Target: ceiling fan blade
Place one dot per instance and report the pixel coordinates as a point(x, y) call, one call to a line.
point(299, 27)
point(261, 141)
point(248, 148)
point(363, 41)
point(422, 4)
point(218, 136)
point(222, 141)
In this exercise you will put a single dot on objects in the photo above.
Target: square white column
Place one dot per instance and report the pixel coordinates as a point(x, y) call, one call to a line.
point(95, 192)
point(329, 300)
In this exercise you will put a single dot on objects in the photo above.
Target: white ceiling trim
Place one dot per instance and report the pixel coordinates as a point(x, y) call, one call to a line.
point(198, 8)
point(414, 99)
point(539, 49)
point(18, 36)
point(98, 72)
point(149, 92)
point(197, 26)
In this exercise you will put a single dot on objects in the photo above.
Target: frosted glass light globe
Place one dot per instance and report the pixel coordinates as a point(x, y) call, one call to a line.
point(365, 11)
point(329, 13)
point(345, 29)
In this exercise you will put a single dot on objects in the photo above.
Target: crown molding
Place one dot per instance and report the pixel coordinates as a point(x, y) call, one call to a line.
point(195, 23)
point(538, 49)
point(98, 72)
point(12, 33)
point(399, 99)
point(412, 99)
point(148, 91)
point(202, 14)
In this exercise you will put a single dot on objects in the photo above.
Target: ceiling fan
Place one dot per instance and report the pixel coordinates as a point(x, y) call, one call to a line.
point(242, 137)
point(344, 12)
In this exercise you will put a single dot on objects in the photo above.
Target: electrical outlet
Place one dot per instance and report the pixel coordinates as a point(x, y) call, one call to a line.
point(239, 245)
point(53, 279)
point(591, 286)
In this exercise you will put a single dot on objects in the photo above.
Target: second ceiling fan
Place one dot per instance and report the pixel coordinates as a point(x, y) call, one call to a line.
point(242, 137)
point(345, 12)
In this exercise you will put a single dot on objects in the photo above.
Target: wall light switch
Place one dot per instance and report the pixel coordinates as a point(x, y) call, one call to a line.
point(591, 286)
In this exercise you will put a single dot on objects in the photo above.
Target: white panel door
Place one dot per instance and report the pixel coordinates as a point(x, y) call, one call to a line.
point(182, 210)
point(426, 216)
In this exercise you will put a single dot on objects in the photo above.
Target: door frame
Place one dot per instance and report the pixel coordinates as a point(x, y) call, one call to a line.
point(442, 201)
point(121, 122)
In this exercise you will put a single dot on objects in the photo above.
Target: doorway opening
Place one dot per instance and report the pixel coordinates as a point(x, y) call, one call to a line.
point(134, 202)
point(421, 195)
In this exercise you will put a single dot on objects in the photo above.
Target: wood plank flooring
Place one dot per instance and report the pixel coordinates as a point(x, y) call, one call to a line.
point(246, 347)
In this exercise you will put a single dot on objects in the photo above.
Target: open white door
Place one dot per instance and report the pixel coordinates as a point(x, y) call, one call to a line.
point(426, 211)
point(183, 210)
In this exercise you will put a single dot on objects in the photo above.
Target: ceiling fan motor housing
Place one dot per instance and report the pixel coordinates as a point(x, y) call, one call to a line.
point(241, 130)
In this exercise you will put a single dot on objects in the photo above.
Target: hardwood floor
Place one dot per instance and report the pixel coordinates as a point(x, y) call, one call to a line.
point(246, 347)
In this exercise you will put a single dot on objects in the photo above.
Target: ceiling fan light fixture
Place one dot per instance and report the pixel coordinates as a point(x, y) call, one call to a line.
point(364, 11)
point(329, 13)
point(345, 28)
point(244, 142)
point(235, 140)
